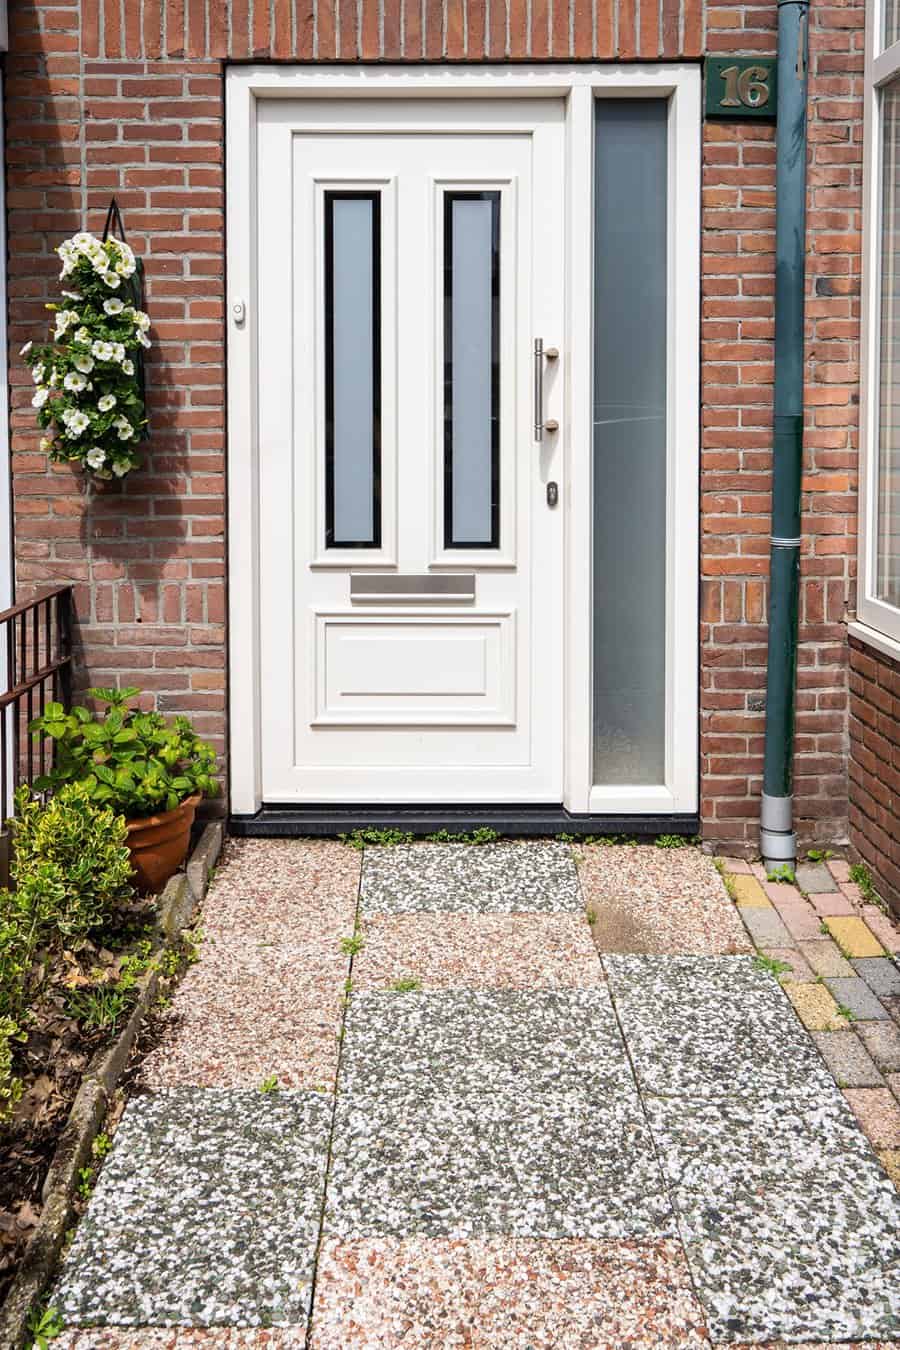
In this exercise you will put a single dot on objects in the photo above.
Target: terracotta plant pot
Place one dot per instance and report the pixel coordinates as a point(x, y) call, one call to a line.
point(159, 844)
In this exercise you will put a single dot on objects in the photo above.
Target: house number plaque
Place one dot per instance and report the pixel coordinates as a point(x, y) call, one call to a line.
point(741, 86)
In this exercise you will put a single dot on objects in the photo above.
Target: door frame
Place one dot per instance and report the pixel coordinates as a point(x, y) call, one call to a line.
point(680, 83)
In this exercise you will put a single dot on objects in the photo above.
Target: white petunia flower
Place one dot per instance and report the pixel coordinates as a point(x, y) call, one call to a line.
point(128, 367)
point(73, 295)
point(102, 350)
point(40, 397)
point(112, 280)
point(95, 457)
point(113, 305)
point(82, 335)
point(74, 382)
point(123, 427)
point(37, 372)
point(141, 320)
point(26, 349)
point(120, 467)
point(144, 340)
point(76, 424)
point(64, 319)
point(84, 363)
point(54, 378)
point(118, 352)
point(106, 402)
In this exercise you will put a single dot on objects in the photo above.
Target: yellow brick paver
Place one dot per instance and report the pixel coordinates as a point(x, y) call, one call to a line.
point(815, 1007)
point(854, 937)
point(890, 1161)
point(749, 893)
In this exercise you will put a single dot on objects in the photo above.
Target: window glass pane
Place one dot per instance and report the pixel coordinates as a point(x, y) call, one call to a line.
point(887, 576)
point(352, 369)
point(890, 22)
point(471, 369)
point(629, 508)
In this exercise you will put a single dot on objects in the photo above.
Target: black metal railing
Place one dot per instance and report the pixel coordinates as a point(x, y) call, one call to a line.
point(36, 655)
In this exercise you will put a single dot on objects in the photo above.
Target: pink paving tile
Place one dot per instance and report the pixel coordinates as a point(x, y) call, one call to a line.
point(182, 1338)
point(839, 869)
point(736, 866)
point(780, 893)
point(831, 902)
point(248, 1010)
point(790, 956)
point(759, 871)
point(478, 951)
point(878, 1114)
point(852, 892)
point(887, 932)
point(801, 921)
point(503, 1294)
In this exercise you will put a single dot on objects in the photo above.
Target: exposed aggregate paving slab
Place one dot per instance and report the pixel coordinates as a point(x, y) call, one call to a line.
point(484, 1042)
point(504, 1294)
point(555, 1165)
point(249, 1009)
point(710, 1026)
point(643, 870)
point(478, 951)
point(290, 889)
point(699, 919)
point(503, 878)
point(206, 1213)
point(791, 1228)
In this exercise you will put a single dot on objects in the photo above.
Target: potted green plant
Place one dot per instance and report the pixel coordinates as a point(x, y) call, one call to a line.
point(151, 771)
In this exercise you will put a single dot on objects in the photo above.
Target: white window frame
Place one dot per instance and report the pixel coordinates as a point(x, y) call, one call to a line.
point(579, 86)
point(878, 623)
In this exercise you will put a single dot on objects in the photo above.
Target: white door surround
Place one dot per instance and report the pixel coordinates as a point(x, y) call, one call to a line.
point(524, 98)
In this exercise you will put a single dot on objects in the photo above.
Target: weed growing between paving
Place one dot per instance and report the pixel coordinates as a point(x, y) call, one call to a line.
point(771, 965)
point(44, 1325)
point(862, 877)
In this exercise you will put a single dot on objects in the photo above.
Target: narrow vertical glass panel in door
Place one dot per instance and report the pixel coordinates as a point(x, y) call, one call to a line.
point(471, 369)
point(629, 505)
point(352, 369)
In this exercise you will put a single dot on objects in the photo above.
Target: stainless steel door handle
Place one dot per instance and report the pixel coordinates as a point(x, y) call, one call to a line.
point(540, 356)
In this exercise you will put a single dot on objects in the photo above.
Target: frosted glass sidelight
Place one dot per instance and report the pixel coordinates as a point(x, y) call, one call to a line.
point(471, 369)
point(629, 494)
point(352, 369)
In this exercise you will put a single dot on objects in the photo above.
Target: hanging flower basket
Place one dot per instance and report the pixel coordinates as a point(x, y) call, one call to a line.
point(89, 377)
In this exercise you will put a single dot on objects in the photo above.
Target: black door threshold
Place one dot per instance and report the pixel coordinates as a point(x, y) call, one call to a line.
point(299, 821)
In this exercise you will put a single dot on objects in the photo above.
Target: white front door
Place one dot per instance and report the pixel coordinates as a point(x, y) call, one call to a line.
point(410, 254)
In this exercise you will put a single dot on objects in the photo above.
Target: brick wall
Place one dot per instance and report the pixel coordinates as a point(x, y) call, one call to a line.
point(875, 766)
point(105, 97)
point(737, 333)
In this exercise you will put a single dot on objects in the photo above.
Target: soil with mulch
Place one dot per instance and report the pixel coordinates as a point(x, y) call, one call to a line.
point(52, 1063)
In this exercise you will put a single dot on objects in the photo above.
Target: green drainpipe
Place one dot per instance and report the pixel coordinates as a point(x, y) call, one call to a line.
point(777, 839)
